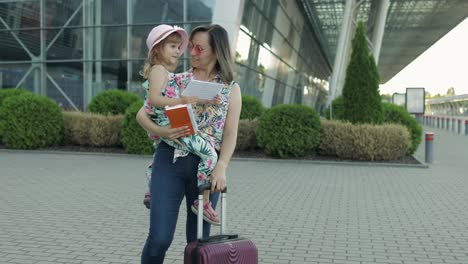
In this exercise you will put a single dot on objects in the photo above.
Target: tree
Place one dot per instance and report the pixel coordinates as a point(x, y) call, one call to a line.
point(451, 91)
point(427, 95)
point(361, 96)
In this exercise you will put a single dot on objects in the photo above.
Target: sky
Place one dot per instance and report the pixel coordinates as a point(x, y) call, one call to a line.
point(443, 65)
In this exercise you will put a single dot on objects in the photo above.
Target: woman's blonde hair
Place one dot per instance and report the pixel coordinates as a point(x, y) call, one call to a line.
point(219, 42)
point(154, 55)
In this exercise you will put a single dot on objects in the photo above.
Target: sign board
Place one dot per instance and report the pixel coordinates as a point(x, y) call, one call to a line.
point(399, 99)
point(415, 102)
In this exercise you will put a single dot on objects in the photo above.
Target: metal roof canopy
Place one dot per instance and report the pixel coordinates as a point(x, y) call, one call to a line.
point(412, 26)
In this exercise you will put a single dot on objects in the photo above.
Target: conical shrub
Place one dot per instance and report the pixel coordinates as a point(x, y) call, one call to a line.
point(361, 97)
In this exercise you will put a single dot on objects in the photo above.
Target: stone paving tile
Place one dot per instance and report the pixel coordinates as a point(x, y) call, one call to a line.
point(77, 209)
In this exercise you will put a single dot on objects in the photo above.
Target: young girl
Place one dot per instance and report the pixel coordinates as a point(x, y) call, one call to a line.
point(166, 44)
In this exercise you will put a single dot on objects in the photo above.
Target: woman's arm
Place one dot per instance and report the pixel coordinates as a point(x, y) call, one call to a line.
point(218, 176)
point(166, 132)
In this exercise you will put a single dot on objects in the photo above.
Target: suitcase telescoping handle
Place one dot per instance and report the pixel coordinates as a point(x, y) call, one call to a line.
point(201, 189)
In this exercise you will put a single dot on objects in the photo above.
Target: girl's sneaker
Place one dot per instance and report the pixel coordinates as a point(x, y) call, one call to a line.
point(209, 214)
point(146, 200)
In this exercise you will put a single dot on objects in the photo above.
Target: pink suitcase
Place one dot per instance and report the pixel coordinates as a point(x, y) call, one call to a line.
point(225, 249)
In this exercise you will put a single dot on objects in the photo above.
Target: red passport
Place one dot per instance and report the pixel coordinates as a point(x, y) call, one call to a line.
point(182, 115)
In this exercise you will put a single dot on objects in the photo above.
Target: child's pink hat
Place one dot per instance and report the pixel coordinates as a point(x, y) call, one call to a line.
point(161, 32)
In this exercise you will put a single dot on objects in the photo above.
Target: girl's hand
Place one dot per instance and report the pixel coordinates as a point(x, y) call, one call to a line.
point(218, 177)
point(189, 99)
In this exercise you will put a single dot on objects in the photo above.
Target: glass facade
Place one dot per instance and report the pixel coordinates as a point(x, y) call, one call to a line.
point(71, 50)
point(278, 58)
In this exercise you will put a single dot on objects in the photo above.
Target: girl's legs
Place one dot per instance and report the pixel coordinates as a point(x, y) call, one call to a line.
point(191, 195)
point(207, 153)
point(209, 214)
point(197, 145)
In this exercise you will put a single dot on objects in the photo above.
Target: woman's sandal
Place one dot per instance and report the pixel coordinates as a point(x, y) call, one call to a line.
point(209, 214)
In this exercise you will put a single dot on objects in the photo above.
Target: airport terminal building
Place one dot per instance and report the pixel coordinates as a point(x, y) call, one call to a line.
point(286, 51)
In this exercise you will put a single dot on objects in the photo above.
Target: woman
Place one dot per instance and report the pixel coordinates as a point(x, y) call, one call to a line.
point(211, 61)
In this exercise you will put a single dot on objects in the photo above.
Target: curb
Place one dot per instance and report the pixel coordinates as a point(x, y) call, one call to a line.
point(60, 152)
point(344, 163)
point(318, 162)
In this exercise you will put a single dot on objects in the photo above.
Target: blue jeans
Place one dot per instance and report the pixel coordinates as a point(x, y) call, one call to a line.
point(170, 182)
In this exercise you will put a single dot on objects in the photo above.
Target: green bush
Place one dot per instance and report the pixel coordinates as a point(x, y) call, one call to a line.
point(5, 93)
point(88, 129)
point(246, 139)
point(337, 109)
point(361, 96)
point(251, 107)
point(31, 121)
point(397, 114)
point(112, 102)
point(133, 137)
point(289, 130)
point(363, 141)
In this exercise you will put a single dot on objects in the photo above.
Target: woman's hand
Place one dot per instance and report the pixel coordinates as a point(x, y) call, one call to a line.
point(218, 177)
point(216, 100)
point(174, 133)
point(166, 132)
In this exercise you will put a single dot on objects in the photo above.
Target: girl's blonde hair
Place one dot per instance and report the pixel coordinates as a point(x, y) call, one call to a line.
point(155, 53)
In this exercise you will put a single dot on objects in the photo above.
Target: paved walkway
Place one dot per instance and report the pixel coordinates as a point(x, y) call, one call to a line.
point(67, 208)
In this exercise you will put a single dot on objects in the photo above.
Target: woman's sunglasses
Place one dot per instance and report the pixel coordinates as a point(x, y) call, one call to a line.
point(198, 49)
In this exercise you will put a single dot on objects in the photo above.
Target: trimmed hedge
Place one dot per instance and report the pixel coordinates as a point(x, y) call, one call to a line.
point(133, 137)
point(398, 115)
point(112, 102)
point(289, 130)
point(31, 121)
point(364, 142)
point(251, 107)
point(246, 139)
point(88, 129)
point(5, 93)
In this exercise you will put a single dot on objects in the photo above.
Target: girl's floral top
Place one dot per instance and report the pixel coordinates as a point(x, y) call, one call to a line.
point(158, 115)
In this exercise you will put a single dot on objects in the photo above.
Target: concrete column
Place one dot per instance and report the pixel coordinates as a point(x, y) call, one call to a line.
point(344, 41)
point(43, 55)
point(379, 29)
point(87, 52)
point(98, 48)
point(187, 28)
point(129, 43)
point(228, 14)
